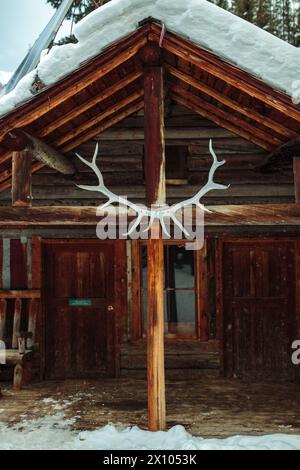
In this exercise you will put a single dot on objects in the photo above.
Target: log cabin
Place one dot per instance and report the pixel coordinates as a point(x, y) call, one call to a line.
point(152, 90)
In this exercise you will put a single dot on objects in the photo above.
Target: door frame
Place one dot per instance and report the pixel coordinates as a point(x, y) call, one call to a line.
point(119, 301)
point(295, 321)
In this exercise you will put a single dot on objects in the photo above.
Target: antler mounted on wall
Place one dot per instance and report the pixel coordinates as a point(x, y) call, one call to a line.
point(159, 213)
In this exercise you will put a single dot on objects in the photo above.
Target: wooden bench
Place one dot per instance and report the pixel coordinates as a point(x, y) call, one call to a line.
point(18, 313)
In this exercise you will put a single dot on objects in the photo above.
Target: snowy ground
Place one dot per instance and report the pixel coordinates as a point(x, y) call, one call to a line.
point(55, 432)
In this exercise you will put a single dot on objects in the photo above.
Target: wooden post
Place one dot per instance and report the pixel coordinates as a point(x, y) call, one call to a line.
point(155, 195)
point(296, 169)
point(21, 179)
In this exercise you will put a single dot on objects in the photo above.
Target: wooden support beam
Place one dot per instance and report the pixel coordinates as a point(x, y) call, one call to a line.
point(20, 294)
point(296, 170)
point(216, 115)
point(81, 139)
point(95, 100)
point(3, 310)
point(154, 136)
point(250, 130)
point(106, 125)
point(86, 217)
point(226, 72)
point(69, 90)
point(21, 178)
point(51, 157)
point(155, 195)
point(99, 118)
point(240, 108)
point(17, 322)
point(155, 335)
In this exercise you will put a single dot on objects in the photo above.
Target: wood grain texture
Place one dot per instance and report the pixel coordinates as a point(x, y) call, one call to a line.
point(296, 171)
point(155, 336)
point(21, 179)
point(155, 195)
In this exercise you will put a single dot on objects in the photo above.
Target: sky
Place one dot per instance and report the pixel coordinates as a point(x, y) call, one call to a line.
point(21, 22)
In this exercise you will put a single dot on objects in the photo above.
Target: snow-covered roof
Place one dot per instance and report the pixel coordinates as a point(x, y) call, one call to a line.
point(252, 49)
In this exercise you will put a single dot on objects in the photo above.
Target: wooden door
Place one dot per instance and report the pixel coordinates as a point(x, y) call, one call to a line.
point(80, 326)
point(259, 309)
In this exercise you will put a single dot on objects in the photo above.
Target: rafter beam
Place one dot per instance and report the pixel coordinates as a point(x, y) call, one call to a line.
point(98, 130)
point(95, 100)
point(97, 119)
point(40, 110)
point(242, 85)
point(248, 112)
point(216, 115)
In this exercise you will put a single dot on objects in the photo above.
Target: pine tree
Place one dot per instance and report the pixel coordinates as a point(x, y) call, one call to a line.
point(246, 9)
point(80, 8)
point(264, 17)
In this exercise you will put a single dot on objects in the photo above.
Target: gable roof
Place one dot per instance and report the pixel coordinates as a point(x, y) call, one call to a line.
point(108, 87)
point(231, 38)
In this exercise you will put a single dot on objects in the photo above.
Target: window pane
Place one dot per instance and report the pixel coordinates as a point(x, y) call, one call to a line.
point(181, 267)
point(182, 312)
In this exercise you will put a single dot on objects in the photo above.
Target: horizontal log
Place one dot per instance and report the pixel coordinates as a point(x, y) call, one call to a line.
point(80, 140)
point(241, 163)
point(175, 133)
point(20, 294)
point(13, 357)
point(221, 118)
point(252, 191)
point(112, 149)
point(83, 217)
point(111, 179)
point(80, 129)
point(245, 177)
point(231, 146)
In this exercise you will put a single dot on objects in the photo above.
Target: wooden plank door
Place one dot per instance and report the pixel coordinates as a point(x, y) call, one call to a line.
point(259, 313)
point(80, 329)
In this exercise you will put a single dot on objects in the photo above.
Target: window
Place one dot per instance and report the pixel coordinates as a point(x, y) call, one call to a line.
point(179, 290)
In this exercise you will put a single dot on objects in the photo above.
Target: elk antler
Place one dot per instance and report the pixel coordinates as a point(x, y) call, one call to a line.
point(160, 213)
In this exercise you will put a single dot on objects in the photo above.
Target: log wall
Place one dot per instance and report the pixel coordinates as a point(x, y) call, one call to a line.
point(187, 136)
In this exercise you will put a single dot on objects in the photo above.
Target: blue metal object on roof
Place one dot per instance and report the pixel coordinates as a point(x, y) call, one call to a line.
point(43, 42)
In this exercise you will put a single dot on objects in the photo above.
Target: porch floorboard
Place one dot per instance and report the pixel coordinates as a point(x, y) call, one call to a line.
point(204, 403)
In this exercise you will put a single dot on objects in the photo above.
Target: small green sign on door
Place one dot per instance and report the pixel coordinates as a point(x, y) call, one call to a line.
point(80, 303)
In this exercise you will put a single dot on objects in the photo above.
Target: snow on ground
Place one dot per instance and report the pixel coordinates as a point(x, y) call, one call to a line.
point(252, 49)
point(54, 431)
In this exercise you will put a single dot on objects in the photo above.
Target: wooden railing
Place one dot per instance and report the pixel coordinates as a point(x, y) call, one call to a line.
point(19, 298)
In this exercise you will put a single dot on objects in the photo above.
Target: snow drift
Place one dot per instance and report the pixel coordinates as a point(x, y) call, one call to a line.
point(54, 433)
point(252, 49)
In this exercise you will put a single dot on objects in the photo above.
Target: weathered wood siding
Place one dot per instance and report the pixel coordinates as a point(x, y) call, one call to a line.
point(20, 270)
point(121, 161)
point(258, 319)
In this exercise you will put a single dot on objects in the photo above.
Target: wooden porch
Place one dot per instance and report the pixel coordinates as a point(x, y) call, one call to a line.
point(205, 404)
